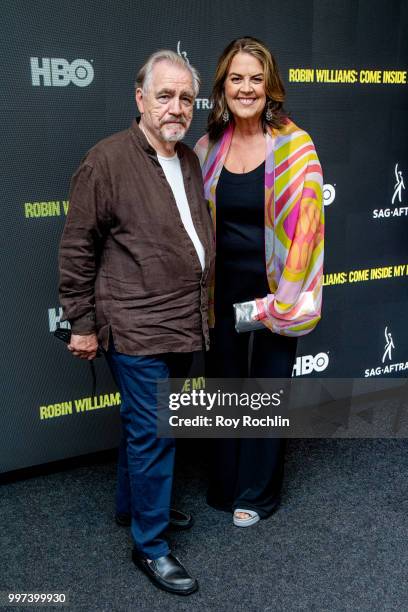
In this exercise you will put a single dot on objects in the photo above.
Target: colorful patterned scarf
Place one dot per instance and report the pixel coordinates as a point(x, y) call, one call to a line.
point(294, 226)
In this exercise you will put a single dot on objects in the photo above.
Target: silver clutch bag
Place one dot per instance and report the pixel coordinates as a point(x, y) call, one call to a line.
point(246, 314)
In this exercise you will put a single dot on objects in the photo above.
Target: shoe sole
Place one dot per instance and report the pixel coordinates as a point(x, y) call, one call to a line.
point(161, 586)
point(172, 525)
point(181, 526)
point(122, 522)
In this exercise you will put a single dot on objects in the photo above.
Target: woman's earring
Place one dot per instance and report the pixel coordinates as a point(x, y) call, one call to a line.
point(225, 116)
point(269, 113)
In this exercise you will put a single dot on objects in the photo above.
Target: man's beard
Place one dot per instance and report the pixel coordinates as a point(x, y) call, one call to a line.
point(175, 136)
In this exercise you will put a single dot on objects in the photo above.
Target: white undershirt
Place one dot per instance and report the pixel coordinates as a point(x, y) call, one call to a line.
point(172, 170)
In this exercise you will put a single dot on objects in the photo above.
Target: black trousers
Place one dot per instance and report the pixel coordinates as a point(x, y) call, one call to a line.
point(247, 472)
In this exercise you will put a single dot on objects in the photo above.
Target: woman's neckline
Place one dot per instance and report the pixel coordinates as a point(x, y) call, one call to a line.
point(244, 173)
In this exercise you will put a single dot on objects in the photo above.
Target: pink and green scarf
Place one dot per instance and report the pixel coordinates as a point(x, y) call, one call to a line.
point(294, 226)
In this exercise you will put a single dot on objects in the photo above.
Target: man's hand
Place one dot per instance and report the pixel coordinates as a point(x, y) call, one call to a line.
point(84, 347)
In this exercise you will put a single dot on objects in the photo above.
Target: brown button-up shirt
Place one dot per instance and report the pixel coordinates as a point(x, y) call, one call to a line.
point(127, 263)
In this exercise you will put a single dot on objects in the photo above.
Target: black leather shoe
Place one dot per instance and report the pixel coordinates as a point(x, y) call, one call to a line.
point(167, 573)
point(179, 521)
point(122, 519)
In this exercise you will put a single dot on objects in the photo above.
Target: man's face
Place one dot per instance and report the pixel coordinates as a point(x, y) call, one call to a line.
point(167, 105)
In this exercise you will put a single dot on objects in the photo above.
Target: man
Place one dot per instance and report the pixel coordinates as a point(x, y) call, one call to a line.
point(134, 262)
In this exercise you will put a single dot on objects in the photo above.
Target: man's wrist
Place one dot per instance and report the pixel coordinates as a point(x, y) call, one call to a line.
point(84, 325)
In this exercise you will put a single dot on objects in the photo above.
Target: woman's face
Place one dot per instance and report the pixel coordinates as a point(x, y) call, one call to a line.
point(244, 86)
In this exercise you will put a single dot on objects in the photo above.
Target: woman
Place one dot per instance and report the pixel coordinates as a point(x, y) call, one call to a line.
point(263, 181)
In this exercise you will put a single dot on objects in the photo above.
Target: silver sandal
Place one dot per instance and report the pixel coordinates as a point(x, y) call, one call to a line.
point(239, 522)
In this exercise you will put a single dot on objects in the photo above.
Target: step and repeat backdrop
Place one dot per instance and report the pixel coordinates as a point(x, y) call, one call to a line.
point(68, 73)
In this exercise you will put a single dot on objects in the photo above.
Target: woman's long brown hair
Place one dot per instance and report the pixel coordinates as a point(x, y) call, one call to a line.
point(274, 89)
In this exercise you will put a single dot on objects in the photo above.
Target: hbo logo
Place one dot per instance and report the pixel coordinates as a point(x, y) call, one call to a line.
point(54, 319)
point(57, 72)
point(329, 193)
point(307, 364)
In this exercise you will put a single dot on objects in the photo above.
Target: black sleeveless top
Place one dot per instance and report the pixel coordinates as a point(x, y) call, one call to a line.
point(240, 271)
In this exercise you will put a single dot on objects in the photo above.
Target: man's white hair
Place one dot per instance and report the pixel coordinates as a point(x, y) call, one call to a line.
point(145, 73)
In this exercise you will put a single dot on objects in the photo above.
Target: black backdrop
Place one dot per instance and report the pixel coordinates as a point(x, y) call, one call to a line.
point(67, 81)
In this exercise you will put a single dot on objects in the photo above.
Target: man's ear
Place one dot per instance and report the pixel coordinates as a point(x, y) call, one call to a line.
point(139, 100)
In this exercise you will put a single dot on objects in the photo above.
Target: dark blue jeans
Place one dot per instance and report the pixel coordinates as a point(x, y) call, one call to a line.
point(145, 467)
